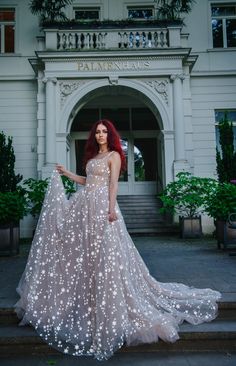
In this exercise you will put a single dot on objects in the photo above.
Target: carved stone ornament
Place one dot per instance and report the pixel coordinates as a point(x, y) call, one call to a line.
point(113, 80)
point(68, 87)
point(161, 87)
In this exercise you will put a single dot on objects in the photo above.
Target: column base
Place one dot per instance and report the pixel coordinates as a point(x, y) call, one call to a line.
point(181, 166)
point(47, 170)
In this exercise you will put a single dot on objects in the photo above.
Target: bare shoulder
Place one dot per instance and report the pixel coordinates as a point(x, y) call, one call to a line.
point(114, 158)
point(115, 155)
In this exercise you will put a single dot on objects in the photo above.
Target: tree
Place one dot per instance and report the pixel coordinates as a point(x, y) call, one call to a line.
point(8, 178)
point(172, 9)
point(49, 10)
point(226, 159)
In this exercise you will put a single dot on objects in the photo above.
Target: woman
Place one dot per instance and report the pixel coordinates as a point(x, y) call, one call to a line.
point(85, 288)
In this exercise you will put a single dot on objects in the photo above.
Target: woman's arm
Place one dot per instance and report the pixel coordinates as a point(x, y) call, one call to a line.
point(76, 178)
point(115, 164)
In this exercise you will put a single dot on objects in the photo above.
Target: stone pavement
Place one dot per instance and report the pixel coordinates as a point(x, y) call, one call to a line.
point(195, 262)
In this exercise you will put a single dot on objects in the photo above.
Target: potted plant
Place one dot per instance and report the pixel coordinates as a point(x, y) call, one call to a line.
point(219, 205)
point(186, 197)
point(13, 205)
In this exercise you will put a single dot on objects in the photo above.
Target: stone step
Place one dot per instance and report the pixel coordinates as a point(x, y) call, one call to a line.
point(140, 211)
point(159, 230)
point(142, 215)
point(212, 336)
point(139, 204)
point(142, 220)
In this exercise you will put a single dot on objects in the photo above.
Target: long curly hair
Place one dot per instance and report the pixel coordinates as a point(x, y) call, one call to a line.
point(113, 143)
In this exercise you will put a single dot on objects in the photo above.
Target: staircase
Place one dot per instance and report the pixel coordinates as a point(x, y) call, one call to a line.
point(142, 215)
point(218, 335)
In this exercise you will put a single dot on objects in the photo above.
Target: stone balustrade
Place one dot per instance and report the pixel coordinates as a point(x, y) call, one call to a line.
point(88, 39)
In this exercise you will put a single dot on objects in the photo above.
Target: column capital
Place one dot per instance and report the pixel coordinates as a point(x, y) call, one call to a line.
point(174, 77)
point(53, 80)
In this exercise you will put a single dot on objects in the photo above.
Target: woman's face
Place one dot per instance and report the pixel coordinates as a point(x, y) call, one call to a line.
point(101, 134)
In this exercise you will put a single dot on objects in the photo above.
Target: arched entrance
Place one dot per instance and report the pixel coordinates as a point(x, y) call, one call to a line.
point(140, 131)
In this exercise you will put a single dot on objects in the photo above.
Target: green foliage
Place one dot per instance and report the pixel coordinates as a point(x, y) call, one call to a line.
point(172, 9)
point(68, 185)
point(35, 190)
point(226, 162)
point(8, 178)
point(13, 207)
point(50, 10)
point(222, 202)
point(187, 195)
point(12, 200)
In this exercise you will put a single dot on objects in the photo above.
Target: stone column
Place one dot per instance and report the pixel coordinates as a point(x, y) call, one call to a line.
point(41, 123)
point(180, 162)
point(168, 156)
point(50, 127)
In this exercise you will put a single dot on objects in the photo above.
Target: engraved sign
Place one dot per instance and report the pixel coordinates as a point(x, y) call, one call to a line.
point(113, 65)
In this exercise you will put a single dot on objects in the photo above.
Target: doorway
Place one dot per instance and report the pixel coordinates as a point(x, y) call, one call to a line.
point(139, 132)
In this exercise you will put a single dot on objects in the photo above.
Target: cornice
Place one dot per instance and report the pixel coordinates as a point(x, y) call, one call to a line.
point(114, 54)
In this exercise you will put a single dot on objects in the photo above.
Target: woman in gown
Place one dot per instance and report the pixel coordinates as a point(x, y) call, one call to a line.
point(85, 288)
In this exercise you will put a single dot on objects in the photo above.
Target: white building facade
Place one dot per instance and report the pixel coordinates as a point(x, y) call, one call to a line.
point(165, 87)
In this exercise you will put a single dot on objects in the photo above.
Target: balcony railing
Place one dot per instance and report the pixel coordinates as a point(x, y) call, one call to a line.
point(104, 39)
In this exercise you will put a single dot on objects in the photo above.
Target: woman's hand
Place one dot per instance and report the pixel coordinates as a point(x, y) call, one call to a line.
point(61, 169)
point(112, 216)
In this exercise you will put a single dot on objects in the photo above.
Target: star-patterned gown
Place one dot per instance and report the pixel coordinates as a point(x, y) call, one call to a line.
point(85, 288)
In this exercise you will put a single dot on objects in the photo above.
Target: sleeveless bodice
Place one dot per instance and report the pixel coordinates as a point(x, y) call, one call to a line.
point(98, 173)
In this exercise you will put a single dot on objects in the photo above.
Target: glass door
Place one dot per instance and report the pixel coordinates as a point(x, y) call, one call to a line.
point(141, 174)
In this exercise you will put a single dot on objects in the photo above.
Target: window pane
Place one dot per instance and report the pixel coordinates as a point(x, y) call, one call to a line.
point(145, 159)
point(86, 14)
point(217, 32)
point(124, 175)
point(219, 115)
point(223, 10)
point(231, 32)
point(218, 138)
point(9, 38)
point(119, 116)
point(143, 119)
point(140, 13)
point(84, 119)
point(79, 155)
point(7, 14)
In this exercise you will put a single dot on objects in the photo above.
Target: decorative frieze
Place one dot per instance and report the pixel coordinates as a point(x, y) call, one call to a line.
point(67, 87)
point(161, 87)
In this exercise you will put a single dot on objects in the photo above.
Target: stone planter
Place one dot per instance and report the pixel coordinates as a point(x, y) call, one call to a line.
point(225, 235)
point(190, 227)
point(9, 239)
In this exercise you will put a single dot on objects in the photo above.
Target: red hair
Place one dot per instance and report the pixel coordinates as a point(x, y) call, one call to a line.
point(113, 143)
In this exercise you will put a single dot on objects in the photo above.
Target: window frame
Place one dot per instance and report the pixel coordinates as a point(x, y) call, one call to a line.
point(3, 23)
point(223, 18)
point(87, 8)
point(136, 6)
point(217, 126)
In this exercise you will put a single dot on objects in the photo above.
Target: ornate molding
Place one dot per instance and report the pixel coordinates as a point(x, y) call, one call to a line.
point(113, 80)
point(173, 77)
point(161, 87)
point(46, 80)
point(67, 87)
